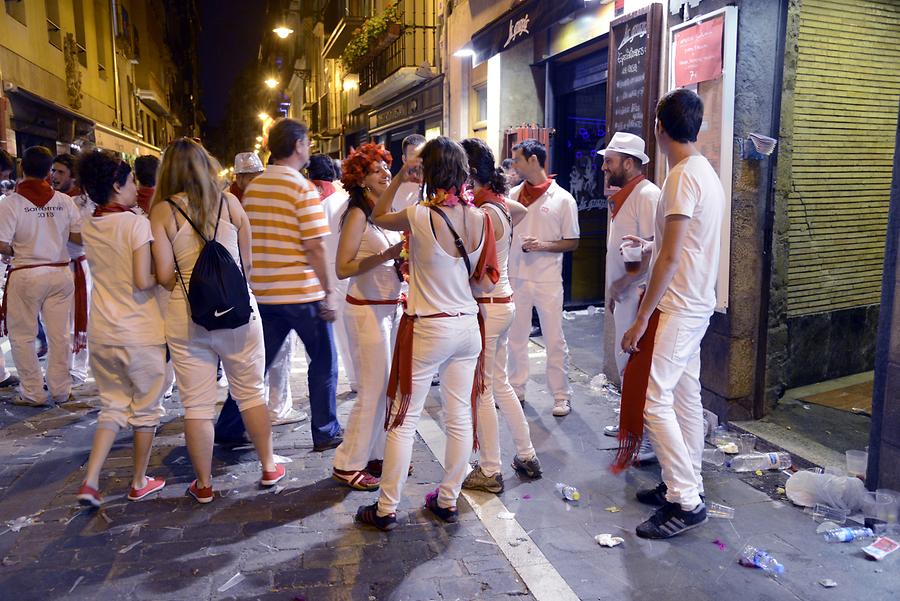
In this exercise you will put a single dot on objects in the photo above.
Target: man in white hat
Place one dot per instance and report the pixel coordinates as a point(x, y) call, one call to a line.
point(632, 212)
point(246, 167)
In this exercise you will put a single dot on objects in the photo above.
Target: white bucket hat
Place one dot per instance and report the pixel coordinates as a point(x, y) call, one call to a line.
point(625, 143)
point(248, 162)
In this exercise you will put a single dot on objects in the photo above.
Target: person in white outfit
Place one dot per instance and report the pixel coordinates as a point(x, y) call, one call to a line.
point(35, 224)
point(439, 329)
point(366, 259)
point(632, 211)
point(497, 312)
point(63, 179)
point(128, 350)
point(7, 172)
point(662, 380)
point(535, 271)
point(189, 209)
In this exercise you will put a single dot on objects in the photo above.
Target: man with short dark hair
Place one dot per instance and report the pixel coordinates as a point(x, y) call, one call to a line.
point(62, 175)
point(408, 192)
point(35, 223)
point(535, 271)
point(145, 168)
point(662, 382)
point(290, 276)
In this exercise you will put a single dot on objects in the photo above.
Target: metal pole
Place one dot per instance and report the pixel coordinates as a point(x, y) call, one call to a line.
point(115, 63)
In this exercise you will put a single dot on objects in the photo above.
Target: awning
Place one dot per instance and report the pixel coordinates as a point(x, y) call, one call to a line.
point(521, 23)
point(123, 142)
point(34, 114)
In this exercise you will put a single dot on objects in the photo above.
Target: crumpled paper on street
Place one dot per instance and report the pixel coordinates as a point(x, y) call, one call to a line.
point(608, 540)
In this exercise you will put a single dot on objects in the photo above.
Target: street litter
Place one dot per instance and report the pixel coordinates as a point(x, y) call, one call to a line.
point(846, 535)
point(178, 460)
point(569, 493)
point(506, 515)
point(717, 510)
point(828, 583)
point(719, 544)
point(613, 509)
point(881, 548)
point(77, 582)
point(826, 526)
point(608, 540)
point(128, 548)
point(526, 497)
point(282, 459)
point(277, 489)
point(485, 542)
point(757, 462)
point(29, 425)
point(20, 522)
point(757, 558)
point(833, 497)
point(232, 582)
point(518, 541)
point(105, 517)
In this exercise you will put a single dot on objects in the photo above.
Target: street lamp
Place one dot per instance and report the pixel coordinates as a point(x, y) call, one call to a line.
point(259, 138)
point(271, 82)
point(263, 116)
point(282, 31)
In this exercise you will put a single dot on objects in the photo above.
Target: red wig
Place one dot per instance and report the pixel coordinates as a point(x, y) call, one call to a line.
point(358, 165)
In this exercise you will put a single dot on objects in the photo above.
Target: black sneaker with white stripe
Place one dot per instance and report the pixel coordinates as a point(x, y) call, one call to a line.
point(671, 520)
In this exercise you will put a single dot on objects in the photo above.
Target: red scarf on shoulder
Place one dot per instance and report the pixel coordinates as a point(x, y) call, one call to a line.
point(144, 197)
point(326, 187)
point(531, 192)
point(36, 191)
point(618, 199)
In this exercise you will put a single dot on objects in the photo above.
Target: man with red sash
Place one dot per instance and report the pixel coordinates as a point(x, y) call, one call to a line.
point(35, 224)
point(535, 271)
point(632, 212)
point(661, 391)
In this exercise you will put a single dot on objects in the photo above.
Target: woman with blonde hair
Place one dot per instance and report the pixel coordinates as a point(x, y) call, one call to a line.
point(190, 210)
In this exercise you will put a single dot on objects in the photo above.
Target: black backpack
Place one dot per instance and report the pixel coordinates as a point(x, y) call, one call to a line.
point(217, 295)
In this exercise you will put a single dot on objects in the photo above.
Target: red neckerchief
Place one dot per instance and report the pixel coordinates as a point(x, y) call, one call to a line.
point(487, 196)
point(74, 191)
point(531, 193)
point(144, 196)
point(618, 199)
point(237, 191)
point(36, 191)
point(326, 187)
point(110, 208)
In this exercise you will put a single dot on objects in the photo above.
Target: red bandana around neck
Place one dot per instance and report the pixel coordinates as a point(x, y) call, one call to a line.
point(145, 197)
point(618, 199)
point(326, 187)
point(110, 208)
point(487, 196)
point(37, 191)
point(531, 192)
point(236, 190)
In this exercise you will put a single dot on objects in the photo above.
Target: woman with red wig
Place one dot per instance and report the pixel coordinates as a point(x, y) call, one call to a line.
point(366, 254)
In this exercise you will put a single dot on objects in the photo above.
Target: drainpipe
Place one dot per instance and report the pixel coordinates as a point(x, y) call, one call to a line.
point(115, 63)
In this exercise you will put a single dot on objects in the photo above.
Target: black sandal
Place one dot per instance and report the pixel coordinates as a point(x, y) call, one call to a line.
point(449, 515)
point(368, 514)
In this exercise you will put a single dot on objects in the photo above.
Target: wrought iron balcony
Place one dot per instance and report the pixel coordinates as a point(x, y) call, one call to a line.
point(408, 59)
point(341, 19)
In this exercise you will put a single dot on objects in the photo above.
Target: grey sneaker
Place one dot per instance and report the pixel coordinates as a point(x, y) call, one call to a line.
point(612, 431)
point(562, 407)
point(478, 480)
point(646, 454)
point(529, 467)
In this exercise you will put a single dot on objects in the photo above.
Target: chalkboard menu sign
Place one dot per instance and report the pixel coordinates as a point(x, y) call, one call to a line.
point(635, 42)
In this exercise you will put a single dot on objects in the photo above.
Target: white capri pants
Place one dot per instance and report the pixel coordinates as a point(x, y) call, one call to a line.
point(132, 381)
point(196, 352)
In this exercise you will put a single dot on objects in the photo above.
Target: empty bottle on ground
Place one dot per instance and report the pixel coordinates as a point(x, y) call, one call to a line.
point(757, 558)
point(569, 493)
point(845, 535)
point(759, 461)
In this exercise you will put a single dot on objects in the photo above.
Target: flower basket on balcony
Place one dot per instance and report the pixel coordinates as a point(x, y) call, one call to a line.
point(372, 37)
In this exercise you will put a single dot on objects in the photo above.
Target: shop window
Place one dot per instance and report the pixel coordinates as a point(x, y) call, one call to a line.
point(16, 10)
point(481, 105)
point(54, 32)
point(101, 29)
point(80, 36)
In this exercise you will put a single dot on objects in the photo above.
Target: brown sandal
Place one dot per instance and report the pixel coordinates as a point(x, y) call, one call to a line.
point(361, 480)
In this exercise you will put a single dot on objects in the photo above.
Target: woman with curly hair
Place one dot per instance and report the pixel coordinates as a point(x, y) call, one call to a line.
point(366, 255)
point(125, 333)
point(450, 242)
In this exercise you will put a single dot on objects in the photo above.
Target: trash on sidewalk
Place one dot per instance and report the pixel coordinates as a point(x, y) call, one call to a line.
point(232, 582)
point(824, 491)
point(828, 583)
point(277, 490)
point(569, 493)
point(77, 582)
point(717, 510)
point(568, 315)
point(720, 544)
point(759, 461)
point(599, 383)
point(21, 522)
point(608, 540)
point(845, 535)
point(826, 526)
point(282, 459)
point(506, 515)
point(714, 456)
point(757, 558)
point(881, 548)
point(613, 509)
point(128, 548)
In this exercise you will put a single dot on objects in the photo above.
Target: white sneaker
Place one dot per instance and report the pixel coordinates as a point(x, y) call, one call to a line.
point(562, 407)
point(646, 454)
point(293, 416)
point(612, 431)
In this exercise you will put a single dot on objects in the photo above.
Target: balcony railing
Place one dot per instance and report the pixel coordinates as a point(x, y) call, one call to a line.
point(415, 47)
point(341, 19)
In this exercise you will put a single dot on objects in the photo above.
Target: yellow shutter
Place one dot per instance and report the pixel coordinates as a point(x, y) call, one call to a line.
point(845, 123)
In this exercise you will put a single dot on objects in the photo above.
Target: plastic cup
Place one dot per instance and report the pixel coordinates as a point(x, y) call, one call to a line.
point(822, 513)
point(632, 256)
point(747, 443)
point(856, 464)
point(892, 514)
point(717, 510)
point(714, 457)
point(877, 509)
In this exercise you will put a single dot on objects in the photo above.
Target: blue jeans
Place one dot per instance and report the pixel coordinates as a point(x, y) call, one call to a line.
point(316, 335)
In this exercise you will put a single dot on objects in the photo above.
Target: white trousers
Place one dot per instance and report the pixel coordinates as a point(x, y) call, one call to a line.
point(624, 314)
point(196, 352)
point(673, 413)
point(279, 397)
point(131, 380)
point(341, 334)
point(498, 319)
point(371, 332)
point(548, 299)
point(78, 368)
point(45, 291)
point(449, 346)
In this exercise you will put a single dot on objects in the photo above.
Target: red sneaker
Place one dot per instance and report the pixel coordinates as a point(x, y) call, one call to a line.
point(89, 496)
point(273, 477)
point(153, 485)
point(202, 495)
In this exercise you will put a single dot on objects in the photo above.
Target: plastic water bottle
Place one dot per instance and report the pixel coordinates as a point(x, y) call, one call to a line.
point(759, 461)
point(757, 558)
point(569, 493)
point(845, 535)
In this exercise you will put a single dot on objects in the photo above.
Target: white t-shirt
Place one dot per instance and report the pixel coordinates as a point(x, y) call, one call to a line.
point(335, 206)
point(86, 207)
point(38, 234)
point(552, 217)
point(693, 188)
point(406, 196)
point(636, 218)
point(121, 315)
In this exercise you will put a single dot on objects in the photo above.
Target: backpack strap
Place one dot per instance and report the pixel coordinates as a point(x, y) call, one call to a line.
point(188, 219)
point(460, 246)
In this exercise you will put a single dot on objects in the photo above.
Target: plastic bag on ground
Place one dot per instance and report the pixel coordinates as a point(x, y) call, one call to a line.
point(843, 492)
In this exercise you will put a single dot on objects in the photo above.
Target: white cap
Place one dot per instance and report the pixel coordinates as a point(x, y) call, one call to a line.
point(247, 162)
point(625, 143)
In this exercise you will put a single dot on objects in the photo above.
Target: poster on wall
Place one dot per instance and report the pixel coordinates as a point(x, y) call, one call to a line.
point(698, 52)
